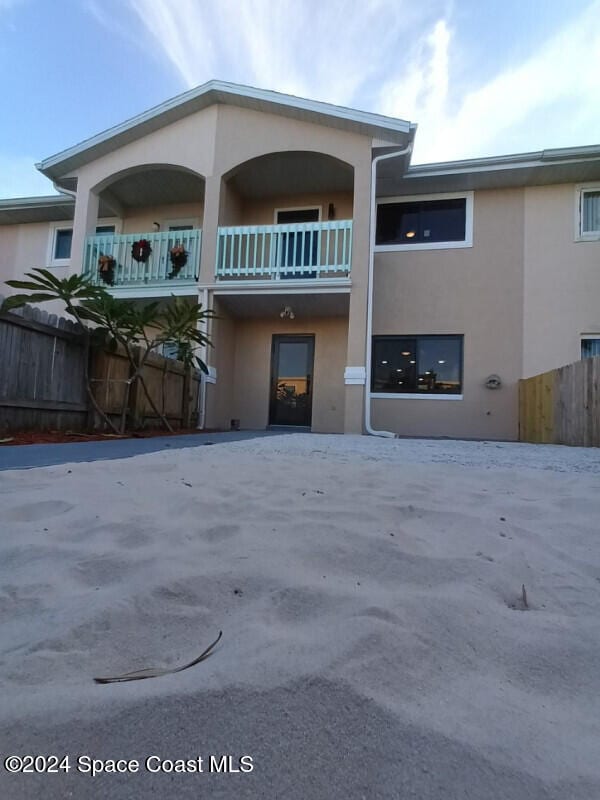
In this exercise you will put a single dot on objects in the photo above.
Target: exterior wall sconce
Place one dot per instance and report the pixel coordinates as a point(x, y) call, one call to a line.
point(287, 313)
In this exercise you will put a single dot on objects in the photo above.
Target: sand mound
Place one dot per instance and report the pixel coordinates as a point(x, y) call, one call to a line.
point(374, 638)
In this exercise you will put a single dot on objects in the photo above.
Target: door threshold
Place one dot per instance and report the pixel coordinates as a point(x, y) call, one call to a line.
point(290, 428)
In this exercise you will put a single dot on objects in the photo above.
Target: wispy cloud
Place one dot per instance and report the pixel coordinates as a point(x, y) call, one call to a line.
point(536, 103)
point(325, 50)
point(392, 56)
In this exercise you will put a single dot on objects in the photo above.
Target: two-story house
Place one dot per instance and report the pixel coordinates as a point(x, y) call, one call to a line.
point(354, 292)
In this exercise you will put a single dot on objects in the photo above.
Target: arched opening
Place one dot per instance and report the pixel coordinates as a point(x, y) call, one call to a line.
point(253, 191)
point(148, 229)
point(286, 216)
point(151, 193)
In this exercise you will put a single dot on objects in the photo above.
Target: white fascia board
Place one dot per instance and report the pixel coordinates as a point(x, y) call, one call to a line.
point(567, 155)
point(20, 203)
point(332, 286)
point(141, 292)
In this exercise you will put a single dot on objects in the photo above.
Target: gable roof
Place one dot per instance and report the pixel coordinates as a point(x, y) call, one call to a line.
point(388, 129)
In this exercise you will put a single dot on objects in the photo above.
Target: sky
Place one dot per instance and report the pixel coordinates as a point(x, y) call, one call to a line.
point(480, 77)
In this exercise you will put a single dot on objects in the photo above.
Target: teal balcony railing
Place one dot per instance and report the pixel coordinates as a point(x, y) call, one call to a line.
point(158, 269)
point(294, 251)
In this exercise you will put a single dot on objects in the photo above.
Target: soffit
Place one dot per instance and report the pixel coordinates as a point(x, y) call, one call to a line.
point(36, 209)
point(157, 187)
point(305, 306)
point(285, 173)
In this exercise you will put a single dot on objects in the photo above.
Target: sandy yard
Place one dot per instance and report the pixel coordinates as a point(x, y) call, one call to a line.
point(375, 643)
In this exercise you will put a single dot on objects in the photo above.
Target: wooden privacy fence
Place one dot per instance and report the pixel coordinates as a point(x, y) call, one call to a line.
point(41, 372)
point(562, 406)
point(42, 359)
point(176, 396)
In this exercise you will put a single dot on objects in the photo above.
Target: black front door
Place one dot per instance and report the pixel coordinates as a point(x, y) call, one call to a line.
point(291, 380)
point(298, 249)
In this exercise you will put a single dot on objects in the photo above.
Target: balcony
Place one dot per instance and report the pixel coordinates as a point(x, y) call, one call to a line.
point(156, 271)
point(296, 251)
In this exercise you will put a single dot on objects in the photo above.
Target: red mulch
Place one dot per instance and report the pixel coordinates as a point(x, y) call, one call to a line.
point(58, 437)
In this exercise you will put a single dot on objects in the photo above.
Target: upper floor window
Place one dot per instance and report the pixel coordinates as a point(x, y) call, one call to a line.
point(61, 250)
point(425, 222)
point(589, 213)
point(61, 240)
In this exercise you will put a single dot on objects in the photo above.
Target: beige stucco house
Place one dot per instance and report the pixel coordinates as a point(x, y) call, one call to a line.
point(354, 292)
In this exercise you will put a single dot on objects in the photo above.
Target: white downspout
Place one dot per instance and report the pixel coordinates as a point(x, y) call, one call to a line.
point(376, 160)
point(202, 388)
point(61, 190)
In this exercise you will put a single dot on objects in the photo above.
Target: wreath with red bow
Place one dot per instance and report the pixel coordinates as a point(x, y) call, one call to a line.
point(140, 250)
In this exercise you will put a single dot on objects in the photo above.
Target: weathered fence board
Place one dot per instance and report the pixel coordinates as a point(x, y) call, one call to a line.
point(42, 362)
point(562, 406)
point(41, 373)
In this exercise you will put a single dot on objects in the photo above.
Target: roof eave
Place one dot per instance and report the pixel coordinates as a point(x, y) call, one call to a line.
point(540, 158)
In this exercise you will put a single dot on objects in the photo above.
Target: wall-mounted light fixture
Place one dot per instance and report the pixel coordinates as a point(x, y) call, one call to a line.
point(287, 312)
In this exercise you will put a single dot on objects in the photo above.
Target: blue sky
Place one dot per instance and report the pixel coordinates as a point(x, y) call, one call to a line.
point(481, 77)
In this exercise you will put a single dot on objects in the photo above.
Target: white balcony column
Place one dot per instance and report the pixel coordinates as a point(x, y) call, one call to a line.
point(210, 224)
point(357, 318)
point(84, 224)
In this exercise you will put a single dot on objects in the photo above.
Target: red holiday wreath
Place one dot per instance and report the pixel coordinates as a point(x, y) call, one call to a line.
point(141, 250)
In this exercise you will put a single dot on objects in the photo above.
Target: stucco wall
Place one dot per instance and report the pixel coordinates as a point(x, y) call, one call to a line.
point(9, 241)
point(562, 280)
point(476, 292)
point(140, 220)
point(262, 212)
point(23, 247)
point(219, 396)
point(252, 369)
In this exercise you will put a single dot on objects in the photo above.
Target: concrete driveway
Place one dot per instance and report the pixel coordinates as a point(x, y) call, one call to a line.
point(46, 455)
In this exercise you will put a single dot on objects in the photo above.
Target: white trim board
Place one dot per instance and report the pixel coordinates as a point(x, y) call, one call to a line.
point(409, 396)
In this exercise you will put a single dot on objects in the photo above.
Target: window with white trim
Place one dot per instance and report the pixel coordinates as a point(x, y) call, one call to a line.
point(61, 240)
point(590, 345)
point(589, 213)
point(417, 365)
point(425, 222)
point(59, 246)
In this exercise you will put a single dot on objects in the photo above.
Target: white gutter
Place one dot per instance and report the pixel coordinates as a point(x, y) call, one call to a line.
point(202, 388)
point(369, 429)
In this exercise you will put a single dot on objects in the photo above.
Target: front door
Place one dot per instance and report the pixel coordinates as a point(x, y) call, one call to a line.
point(298, 249)
point(291, 380)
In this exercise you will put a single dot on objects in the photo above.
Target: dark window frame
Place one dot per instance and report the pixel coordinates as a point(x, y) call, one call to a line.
point(415, 339)
point(58, 231)
point(420, 206)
